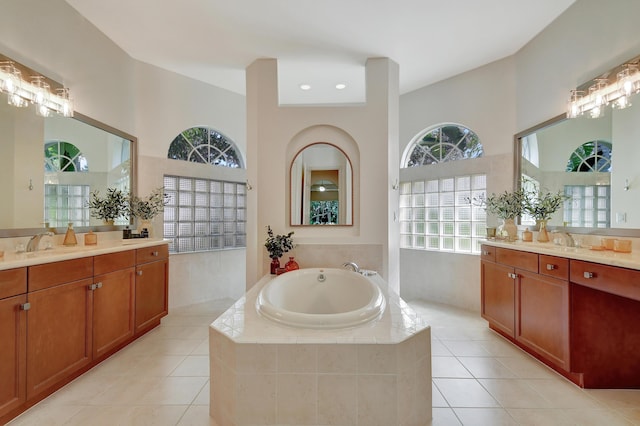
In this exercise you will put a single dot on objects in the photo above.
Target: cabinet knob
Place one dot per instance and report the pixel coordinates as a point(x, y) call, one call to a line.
point(92, 287)
point(486, 252)
point(588, 274)
point(154, 253)
point(512, 275)
point(25, 306)
point(550, 267)
point(139, 272)
point(98, 285)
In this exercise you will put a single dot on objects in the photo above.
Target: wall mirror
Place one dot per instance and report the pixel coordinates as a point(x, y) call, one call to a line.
point(50, 165)
point(593, 161)
point(321, 186)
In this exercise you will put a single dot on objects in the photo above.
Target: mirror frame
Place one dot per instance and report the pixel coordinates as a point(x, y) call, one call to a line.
point(351, 195)
point(517, 172)
point(24, 232)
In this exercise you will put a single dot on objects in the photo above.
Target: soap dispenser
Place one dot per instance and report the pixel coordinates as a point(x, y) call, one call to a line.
point(70, 236)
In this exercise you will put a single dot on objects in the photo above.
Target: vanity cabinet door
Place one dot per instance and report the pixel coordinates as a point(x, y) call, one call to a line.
point(543, 317)
point(113, 305)
point(13, 335)
point(151, 299)
point(498, 296)
point(59, 334)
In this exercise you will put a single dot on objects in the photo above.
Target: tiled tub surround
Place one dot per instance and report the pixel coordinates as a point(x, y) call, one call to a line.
point(265, 373)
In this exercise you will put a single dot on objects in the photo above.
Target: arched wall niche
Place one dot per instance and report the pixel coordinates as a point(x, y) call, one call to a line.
point(333, 135)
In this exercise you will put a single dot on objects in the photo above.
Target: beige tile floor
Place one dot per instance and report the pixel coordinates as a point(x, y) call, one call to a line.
point(478, 379)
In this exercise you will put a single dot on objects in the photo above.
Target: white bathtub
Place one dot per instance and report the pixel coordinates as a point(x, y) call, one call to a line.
point(321, 298)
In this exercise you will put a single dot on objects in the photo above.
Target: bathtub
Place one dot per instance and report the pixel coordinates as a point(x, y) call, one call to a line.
point(324, 298)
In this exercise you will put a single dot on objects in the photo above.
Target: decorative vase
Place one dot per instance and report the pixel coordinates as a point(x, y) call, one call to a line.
point(543, 234)
point(291, 265)
point(145, 223)
point(275, 265)
point(511, 229)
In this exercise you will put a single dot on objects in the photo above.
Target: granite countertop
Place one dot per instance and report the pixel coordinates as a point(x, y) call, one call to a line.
point(12, 259)
point(605, 257)
point(242, 323)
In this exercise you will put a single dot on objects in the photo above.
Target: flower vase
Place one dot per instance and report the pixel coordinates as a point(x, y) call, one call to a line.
point(511, 229)
point(275, 265)
point(291, 265)
point(543, 234)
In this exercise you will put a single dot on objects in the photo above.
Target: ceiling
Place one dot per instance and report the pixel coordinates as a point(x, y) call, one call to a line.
point(320, 43)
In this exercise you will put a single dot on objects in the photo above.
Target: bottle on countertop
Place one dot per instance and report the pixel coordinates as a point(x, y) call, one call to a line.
point(90, 239)
point(70, 236)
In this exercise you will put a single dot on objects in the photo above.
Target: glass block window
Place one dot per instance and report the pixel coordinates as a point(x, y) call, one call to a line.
point(440, 144)
point(64, 204)
point(204, 214)
point(589, 206)
point(438, 214)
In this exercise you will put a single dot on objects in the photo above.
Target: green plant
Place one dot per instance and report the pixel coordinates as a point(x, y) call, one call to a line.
point(541, 205)
point(507, 205)
point(278, 245)
point(148, 207)
point(113, 205)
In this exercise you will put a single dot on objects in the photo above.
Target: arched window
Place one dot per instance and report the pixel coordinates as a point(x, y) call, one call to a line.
point(60, 156)
point(205, 145)
point(592, 156)
point(442, 143)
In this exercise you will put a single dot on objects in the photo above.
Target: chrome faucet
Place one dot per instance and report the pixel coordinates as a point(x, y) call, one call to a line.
point(33, 243)
point(352, 265)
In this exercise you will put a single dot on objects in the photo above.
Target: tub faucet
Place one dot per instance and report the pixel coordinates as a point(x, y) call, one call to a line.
point(352, 265)
point(33, 243)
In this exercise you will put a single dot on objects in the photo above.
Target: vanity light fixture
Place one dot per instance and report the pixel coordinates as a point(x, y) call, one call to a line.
point(36, 91)
point(603, 91)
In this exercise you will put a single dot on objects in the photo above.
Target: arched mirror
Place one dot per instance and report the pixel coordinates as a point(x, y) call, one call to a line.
point(321, 186)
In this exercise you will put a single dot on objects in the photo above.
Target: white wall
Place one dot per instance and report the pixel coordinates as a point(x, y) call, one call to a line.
point(152, 104)
point(366, 133)
point(510, 96)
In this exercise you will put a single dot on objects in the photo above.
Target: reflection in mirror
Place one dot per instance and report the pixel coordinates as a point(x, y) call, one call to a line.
point(49, 165)
point(321, 186)
point(592, 161)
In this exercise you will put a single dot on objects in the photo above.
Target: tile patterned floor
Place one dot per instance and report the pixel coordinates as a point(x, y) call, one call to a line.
point(478, 379)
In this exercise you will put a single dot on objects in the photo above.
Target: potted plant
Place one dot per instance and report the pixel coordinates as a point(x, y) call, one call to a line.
point(110, 207)
point(145, 209)
point(541, 206)
point(277, 245)
point(507, 206)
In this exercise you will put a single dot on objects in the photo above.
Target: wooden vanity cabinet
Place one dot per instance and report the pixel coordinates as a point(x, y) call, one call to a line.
point(525, 305)
point(113, 301)
point(151, 298)
point(13, 335)
point(59, 322)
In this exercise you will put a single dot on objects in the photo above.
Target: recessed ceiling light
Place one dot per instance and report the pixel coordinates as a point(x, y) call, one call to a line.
point(305, 86)
point(341, 86)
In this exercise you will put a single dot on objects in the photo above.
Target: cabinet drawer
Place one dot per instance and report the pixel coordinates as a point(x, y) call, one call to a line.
point(619, 281)
point(557, 267)
point(52, 274)
point(488, 253)
point(518, 259)
point(113, 262)
point(13, 282)
point(151, 254)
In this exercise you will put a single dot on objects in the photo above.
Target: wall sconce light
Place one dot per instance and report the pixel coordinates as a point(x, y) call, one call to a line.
point(595, 95)
point(37, 91)
point(395, 185)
